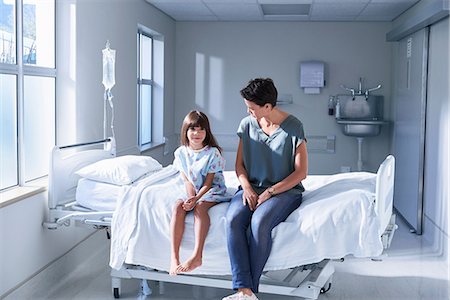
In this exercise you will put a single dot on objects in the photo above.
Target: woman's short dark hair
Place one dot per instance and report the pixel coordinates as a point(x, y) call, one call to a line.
point(260, 91)
point(194, 119)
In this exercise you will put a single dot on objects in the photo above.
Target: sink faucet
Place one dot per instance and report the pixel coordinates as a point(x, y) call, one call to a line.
point(350, 90)
point(360, 86)
point(366, 93)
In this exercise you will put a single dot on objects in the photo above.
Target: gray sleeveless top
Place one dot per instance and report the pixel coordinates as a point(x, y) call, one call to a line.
point(270, 159)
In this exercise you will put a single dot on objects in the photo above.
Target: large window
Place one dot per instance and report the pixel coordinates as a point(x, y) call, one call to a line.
point(27, 89)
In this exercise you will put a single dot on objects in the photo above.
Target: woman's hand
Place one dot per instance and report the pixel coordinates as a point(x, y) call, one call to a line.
point(189, 204)
point(250, 197)
point(263, 197)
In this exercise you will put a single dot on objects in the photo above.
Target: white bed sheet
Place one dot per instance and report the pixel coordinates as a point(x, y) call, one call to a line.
point(98, 196)
point(101, 196)
point(336, 218)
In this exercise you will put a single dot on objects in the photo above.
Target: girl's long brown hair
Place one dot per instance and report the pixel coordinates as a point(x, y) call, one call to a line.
point(194, 119)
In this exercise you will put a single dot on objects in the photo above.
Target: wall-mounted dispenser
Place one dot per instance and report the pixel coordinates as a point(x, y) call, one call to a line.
point(284, 99)
point(312, 76)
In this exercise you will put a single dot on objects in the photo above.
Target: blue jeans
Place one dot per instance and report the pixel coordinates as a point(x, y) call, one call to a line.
point(249, 251)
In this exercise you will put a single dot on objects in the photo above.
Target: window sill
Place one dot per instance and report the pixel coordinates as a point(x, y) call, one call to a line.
point(19, 193)
point(152, 146)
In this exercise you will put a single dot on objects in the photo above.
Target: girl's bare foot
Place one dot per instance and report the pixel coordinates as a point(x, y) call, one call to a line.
point(174, 265)
point(190, 264)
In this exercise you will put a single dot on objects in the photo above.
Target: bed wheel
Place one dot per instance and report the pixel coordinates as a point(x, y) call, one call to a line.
point(116, 293)
point(326, 287)
point(324, 290)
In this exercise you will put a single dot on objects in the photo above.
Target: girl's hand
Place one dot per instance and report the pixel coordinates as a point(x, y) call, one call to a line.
point(189, 204)
point(263, 197)
point(250, 197)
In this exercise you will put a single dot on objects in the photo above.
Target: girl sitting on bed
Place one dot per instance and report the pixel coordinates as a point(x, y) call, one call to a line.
point(200, 163)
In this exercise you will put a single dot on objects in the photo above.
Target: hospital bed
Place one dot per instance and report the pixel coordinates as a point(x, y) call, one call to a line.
point(342, 214)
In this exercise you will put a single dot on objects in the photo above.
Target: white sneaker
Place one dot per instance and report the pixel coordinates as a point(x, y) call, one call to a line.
point(251, 297)
point(240, 296)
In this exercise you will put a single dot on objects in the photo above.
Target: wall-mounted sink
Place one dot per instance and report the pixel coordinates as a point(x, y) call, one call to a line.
point(361, 127)
point(361, 116)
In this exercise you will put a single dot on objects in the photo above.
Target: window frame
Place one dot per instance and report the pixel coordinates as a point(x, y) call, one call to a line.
point(144, 82)
point(21, 70)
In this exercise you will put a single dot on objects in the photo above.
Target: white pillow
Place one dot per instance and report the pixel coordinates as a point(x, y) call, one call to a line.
point(120, 170)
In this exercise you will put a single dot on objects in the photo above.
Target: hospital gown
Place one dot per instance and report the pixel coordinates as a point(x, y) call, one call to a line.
point(196, 164)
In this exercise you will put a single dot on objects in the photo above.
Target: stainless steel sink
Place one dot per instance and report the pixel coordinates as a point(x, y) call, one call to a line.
point(361, 127)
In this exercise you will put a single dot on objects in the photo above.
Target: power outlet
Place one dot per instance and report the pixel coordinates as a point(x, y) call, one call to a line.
point(345, 169)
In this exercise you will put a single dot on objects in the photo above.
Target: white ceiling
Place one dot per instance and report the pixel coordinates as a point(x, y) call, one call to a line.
point(252, 10)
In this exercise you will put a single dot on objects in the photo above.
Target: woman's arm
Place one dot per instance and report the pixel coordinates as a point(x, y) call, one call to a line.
point(241, 172)
point(300, 173)
point(249, 196)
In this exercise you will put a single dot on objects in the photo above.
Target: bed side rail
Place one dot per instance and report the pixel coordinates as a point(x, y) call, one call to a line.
point(385, 191)
point(95, 219)
point(388, 234)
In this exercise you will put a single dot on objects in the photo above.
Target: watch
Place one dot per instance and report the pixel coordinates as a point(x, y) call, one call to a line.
point(271, 191)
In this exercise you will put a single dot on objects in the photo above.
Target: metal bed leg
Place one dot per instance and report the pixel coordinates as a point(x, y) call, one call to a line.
point(115, 284)
point(318, 281)
point(162, 288)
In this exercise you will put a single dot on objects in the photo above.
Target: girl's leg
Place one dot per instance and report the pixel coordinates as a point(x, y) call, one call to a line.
point(176, 230)
point(201, 227)
point(238, 219)
point(265, 218)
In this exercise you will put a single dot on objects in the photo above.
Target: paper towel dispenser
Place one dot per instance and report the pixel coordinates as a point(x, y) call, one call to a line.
point(312, 76)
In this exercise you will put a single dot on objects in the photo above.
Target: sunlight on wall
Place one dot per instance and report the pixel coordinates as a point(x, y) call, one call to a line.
point(216, 90)
point(72, 41)
point(200, 80)
point(71, 112)
point(66, 123)
point(209, 85)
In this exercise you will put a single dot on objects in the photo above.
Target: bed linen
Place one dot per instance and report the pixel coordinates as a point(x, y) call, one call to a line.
point(96, 195)
point(335, 219)
point(102, 196)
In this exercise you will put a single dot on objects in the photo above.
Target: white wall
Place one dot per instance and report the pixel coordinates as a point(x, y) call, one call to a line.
point(83, 27)
point(88, 25)
point(214, 60)
point(26, 247)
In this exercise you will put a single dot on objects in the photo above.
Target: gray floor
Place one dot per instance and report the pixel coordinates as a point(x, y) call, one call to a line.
point(408, 270)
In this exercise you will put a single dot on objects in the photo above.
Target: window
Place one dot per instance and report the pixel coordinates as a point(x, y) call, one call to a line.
point(27, 89)
point(145, 85)
point(150, 87)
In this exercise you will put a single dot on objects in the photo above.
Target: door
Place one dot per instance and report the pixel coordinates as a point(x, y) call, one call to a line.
point(409, 126)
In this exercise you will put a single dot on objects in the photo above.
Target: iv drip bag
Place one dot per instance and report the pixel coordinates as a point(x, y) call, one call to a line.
point(109, 60)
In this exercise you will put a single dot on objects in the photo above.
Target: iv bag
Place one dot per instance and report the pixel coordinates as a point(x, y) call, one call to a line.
point(109, 60)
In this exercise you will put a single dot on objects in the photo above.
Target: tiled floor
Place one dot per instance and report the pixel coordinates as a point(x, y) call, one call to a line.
point(408, 270)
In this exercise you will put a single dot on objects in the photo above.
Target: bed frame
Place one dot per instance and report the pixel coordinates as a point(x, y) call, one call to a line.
point(64, 162)
point(303, 281)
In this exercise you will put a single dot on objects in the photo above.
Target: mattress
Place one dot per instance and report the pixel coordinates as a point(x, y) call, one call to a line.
point(336, 218)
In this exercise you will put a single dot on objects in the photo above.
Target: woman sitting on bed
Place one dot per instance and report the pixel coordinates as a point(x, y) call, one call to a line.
point(201, 165)
point(271, 162)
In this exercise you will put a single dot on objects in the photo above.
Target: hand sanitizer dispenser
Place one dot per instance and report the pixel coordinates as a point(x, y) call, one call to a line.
point(312, 76)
